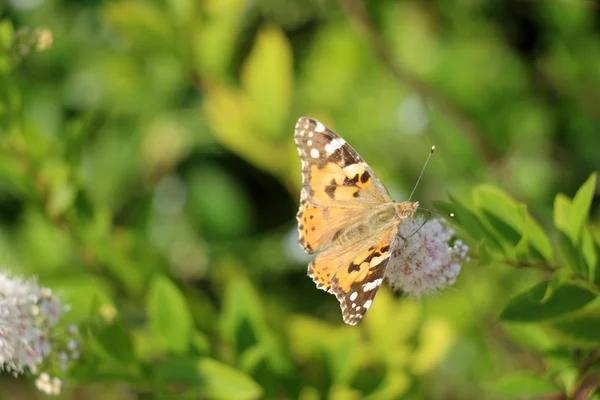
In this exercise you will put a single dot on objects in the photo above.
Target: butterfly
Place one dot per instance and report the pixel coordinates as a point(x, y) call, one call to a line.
point(347, 217)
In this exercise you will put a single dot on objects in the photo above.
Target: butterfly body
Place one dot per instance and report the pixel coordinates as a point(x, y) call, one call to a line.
point(347, 216)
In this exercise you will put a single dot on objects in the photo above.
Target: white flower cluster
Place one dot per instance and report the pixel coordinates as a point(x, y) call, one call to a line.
point(423, 261)
point(30, 338)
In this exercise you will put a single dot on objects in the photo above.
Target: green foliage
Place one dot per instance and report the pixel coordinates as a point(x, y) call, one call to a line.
point(148, 174)
point(560, 311)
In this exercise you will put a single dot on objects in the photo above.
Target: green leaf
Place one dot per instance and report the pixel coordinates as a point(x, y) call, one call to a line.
point(532, 336)
point(522, 247)
point(528, 307)
point(180, 370)
point(169, 315)
point(496, 202)
point(61, 199)
point(523, 384)
point(562, 212)
point(212, 378)
point(6, 34)
point(581, 207)
point(267, 79)
point(485, 255)
point(581, 329)
point(537, 238)
point(513, 223)
point(141, 23)
point(182, 10)
point(241, 320)
point(589, 253)
point(443, 206)
point(221, 381)
point(469, 221)
point(569, 255)
point(218, 202)
point(114, 342)
point(504, 232)
point(503, 217)
point(559, 278)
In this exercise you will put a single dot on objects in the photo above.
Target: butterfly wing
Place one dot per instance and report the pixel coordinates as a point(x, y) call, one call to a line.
point(333, 174)
point(354, 273)
point(338, 186)
point(344, 214)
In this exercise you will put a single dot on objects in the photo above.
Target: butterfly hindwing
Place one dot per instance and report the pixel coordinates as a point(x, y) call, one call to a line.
point(354, 273)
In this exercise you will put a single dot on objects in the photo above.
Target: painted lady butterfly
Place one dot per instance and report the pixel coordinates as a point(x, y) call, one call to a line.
point(346, 215)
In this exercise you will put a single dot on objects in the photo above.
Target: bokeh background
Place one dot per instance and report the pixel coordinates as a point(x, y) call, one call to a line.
point(148, 173)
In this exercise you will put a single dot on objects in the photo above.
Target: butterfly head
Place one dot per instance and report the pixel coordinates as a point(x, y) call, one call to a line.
point(406, 209)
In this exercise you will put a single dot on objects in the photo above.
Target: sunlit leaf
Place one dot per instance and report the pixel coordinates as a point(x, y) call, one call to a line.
point(221, 381)
point(396, 383)
point(532, 336)
point(486, 257)
point(581, 207)
point(142, 23)
point(182, 10)
point(562, 212)
point(523, 384)
point(267, 80)
point(169, 315)
point(589, 253)
point(568, 255)
point(496, 202)
point(436, 337)
point(472, 225)
point(537, 238)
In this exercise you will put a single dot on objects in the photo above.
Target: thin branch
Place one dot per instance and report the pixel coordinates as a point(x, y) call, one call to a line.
point(356, 12)
point(531, 264)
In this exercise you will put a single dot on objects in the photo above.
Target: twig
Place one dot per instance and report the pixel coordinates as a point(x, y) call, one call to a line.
point(355, 10)
point(531, 264)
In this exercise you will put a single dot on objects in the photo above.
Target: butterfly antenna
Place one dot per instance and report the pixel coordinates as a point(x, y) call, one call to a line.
point(430, 215)
point(436, 212)
point(422, 170)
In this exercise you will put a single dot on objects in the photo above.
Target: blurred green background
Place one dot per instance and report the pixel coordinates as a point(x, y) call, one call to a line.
point(148, 172)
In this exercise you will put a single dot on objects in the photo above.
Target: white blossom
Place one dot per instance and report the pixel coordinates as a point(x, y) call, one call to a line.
point(423, 261)
point(30, 338)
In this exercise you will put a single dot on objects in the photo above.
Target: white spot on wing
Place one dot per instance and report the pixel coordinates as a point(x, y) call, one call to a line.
point(310, 134)
point(367, 287)
point(314, 153)
point(319, 127)
point(309, 142)
point(367, 304)
point(377, 260)
point(353, 296)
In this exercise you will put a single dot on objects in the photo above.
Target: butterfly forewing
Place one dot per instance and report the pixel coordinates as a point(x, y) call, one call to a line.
point(333, 174)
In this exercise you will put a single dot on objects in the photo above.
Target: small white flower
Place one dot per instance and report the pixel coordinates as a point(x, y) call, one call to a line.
point(72, 345)
point(72, 329)
point(29, 337)
point(53, 309)
point(50, 386)
point(423, 261)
